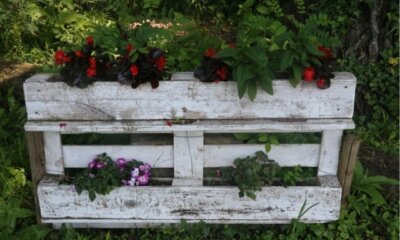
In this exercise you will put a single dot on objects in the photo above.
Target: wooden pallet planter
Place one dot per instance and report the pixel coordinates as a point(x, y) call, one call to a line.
point(107, 107)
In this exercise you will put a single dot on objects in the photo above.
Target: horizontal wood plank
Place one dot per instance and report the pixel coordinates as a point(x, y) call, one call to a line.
point(191, 203)
point(208, 126)
point(285, 155)
point(188, 99)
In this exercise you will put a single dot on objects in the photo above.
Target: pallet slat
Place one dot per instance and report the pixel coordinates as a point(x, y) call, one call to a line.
point(190, 99)
point(216, 204)
point(208, 126)
point(214, 155)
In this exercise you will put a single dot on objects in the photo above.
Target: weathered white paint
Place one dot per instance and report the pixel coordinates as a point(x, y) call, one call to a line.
point(189, 99)
point(329, 152)
point(208, 126)
point(188, 158)
point(285, 155)
point(78, 156)
point(54, 163)
point(171, 204)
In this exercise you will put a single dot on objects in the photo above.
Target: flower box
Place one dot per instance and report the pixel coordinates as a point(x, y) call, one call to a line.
point(188, 110)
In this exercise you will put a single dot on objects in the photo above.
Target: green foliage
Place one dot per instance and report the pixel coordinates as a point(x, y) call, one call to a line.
point(370, 185)
point(377, 105)
point(268, 139)
point(251, 173)
point(102, 181)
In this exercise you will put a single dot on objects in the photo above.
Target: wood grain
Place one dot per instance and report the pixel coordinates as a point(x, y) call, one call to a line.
point(187, 99)
point(215, 204)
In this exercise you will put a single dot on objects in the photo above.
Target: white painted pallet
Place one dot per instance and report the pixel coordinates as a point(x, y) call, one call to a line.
point(196, 109)
point(188, 99)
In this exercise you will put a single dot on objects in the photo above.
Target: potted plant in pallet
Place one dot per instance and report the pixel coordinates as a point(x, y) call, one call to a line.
point(188, 109)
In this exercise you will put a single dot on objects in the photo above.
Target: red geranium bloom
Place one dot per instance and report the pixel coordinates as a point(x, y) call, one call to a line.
point(308, 74)
point(59, 57)
point(168, 123)
point(222, 73)
point(67, 59)
point(90, 41)
point(129, 47)
point(323, 83)
point(134, 70)
point(160, 62)
point(79, 53)
point(91, 72)
point(210, 52)
point(92, 62)
point(326, 51)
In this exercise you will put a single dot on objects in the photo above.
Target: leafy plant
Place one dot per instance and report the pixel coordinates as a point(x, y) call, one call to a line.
point(251, 173)
point(101, 178)
point(268, 139)
point(370, 185)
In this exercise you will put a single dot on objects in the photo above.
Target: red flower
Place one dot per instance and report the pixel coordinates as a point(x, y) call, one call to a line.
point(326, 51)
point(308, 74)
point(129, 47)
point(92, 62)
point(160, 62)
point(79, 53)
point(134, 70)
point(90, 41)
point(323, 83)
point(168, 123)
point(91, 72)
point(67, 59)
point(222, 73)
point(232, 45)
point(210, 52)
point(59, 57)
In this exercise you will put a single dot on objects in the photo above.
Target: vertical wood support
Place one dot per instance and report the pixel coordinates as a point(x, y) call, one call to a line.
point(348, 157)
point(36, 158)
point(329, 152)
point(188, 158)
point(53, 153)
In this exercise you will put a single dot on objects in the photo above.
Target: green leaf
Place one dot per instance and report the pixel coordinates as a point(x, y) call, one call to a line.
point(297, 72)
point(286, 60)
point(241, 74)
point(267, 147)
point(33, 232)
point(92, 195)
point(263, 138)
point(262, 9)
point(257, 55)
point(312, 49)
point(228, 53)
point(381, 180)
point(252, 89)
point(248, 3)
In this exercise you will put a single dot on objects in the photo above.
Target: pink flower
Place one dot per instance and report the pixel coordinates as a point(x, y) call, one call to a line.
point(121, 162)
point(100, 165)
point(143, 180)
point(92, 164)
point(145, 168)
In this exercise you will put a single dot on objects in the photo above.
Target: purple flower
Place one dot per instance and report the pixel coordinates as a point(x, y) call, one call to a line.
point(100, 165)
point(121, 162)
point(135, 172)
point(92, 164)
point(145, 168)
point(143, 180)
